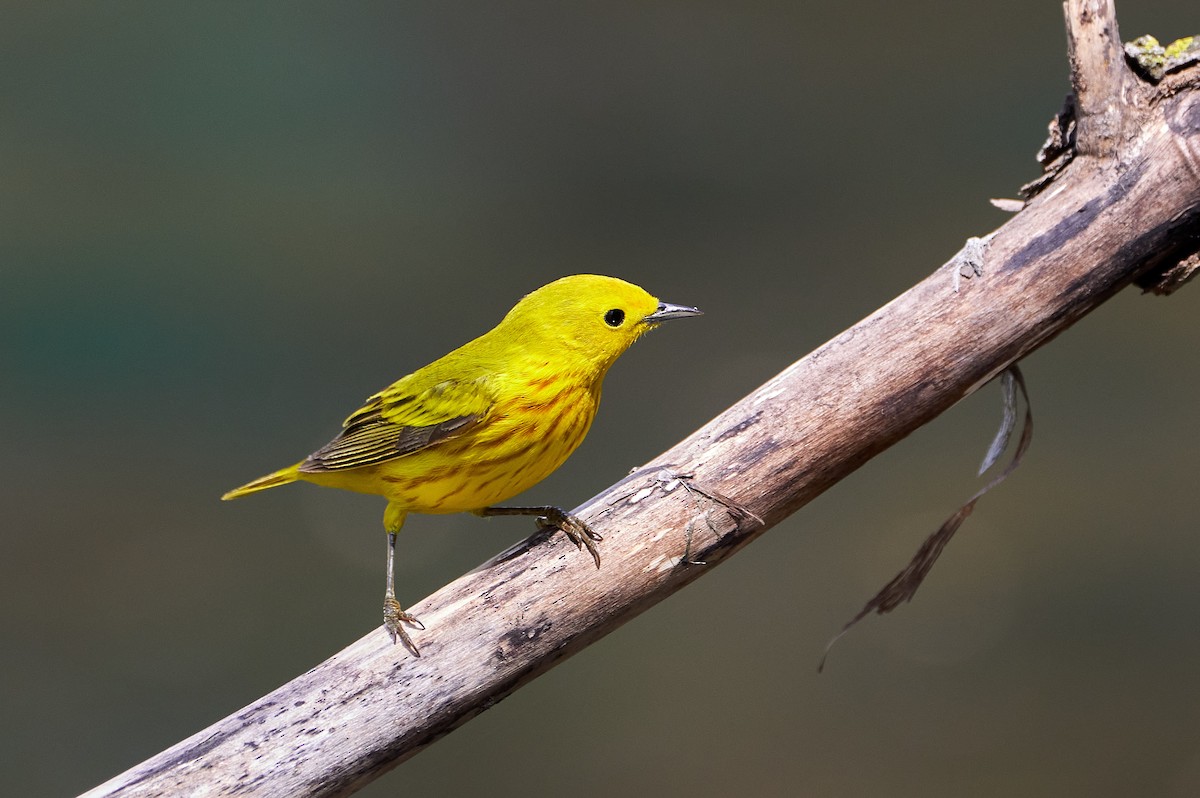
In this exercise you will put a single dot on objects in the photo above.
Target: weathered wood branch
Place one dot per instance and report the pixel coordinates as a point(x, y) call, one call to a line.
point(1128, 203)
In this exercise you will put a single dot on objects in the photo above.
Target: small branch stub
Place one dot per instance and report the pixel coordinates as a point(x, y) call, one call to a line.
point(1174, 278)
point(1153, 61)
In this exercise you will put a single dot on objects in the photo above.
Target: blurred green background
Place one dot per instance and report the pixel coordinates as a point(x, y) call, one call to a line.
point(226, 224)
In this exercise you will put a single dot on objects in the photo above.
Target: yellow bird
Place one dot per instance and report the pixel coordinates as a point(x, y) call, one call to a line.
point(489, 420)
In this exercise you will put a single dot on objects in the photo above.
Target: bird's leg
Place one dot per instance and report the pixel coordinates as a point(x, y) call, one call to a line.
point(550, 517)
point(394, 617)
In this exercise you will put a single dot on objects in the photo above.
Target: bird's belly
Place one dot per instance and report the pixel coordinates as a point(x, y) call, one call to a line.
point(468, 487)
point(471, 472)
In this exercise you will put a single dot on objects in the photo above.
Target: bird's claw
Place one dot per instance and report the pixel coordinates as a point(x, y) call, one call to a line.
point(394, 619)
point(578, 532)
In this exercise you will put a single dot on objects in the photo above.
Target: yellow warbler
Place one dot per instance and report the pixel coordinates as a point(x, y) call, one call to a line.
point(489, 420)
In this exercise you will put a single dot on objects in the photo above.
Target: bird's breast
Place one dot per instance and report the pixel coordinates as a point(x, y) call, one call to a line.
point(522, 440)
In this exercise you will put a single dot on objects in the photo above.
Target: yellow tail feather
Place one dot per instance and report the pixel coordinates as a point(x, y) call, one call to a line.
point(281, 477)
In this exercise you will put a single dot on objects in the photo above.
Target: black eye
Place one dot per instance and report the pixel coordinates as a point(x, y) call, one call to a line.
point(614, 317)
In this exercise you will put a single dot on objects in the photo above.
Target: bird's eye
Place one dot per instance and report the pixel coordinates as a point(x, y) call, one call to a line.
point(614, 317)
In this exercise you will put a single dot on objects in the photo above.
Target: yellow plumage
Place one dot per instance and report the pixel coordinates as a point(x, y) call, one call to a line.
point(489, 420)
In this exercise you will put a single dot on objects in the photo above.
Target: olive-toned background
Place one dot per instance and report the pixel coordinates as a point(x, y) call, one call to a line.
point(224, 226)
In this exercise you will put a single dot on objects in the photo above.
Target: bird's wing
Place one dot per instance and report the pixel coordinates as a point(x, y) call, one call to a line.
point(400, 420)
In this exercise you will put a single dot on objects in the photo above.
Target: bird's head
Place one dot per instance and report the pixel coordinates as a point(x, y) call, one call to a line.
point(588, 318)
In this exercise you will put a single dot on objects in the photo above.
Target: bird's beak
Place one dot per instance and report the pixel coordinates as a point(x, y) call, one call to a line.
point(668, 311)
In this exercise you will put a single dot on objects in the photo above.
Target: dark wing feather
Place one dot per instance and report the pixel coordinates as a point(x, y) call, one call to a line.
point(401, 420)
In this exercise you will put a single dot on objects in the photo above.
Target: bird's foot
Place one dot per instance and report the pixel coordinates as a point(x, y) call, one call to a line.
point(574, 528)
point(394, 619)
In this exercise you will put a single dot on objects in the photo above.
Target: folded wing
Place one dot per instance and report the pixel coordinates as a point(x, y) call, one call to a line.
point(401, 420)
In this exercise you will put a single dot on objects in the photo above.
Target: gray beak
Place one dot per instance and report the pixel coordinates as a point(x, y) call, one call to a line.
point(668, 311)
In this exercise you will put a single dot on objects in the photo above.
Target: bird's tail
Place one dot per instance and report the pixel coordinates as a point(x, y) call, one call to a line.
point(281, 477)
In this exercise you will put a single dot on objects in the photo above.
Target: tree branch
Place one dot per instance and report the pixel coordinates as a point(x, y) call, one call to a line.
point(1104, 85)
point(1131, 205)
